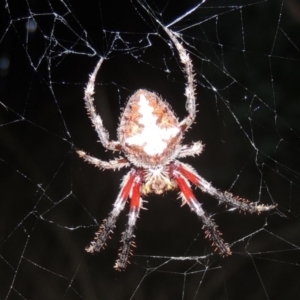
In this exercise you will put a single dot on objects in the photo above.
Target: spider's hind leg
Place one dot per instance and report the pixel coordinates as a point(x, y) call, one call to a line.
point(92, 113)
point(190, 88)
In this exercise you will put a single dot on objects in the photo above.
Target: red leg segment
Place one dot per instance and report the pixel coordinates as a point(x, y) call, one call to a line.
point(128, 236)
point(223, 197)
point(108, 225)
point(209, 226)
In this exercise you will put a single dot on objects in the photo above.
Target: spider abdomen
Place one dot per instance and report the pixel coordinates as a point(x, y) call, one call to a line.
point(149, 131)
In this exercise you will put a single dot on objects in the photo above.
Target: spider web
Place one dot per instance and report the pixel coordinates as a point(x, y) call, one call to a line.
point(246, 59)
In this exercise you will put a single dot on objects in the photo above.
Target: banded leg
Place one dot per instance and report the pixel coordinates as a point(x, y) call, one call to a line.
point(188, 70)
point(128, 236)
point(209, 226)
point(190, 85)
point(108, 225)
point(223, 197)
point(95, 118)
point(192, 149)
point(111, 164)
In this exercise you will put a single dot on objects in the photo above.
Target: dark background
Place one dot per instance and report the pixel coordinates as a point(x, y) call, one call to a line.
point(246, 59)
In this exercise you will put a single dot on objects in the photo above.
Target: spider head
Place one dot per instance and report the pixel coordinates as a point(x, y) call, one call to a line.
point(149, 131)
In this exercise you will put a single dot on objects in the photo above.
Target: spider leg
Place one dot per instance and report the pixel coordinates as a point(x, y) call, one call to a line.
point(95, 118)
point(223, 197)
point(190, 85)
point(195, 148)
point(211, 229)
point(111, 164)
point(128, 236)
point(109, 224)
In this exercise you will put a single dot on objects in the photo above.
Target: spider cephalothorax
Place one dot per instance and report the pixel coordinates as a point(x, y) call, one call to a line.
point(150, 136)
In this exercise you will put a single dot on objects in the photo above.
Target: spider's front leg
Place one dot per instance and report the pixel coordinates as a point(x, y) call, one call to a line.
point(209, 225)
point(183, 173)
point(223, 197)
point(109, 224)
point(128, 236)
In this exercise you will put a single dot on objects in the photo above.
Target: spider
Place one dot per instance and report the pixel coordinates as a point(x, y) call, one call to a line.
point(150, 138)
